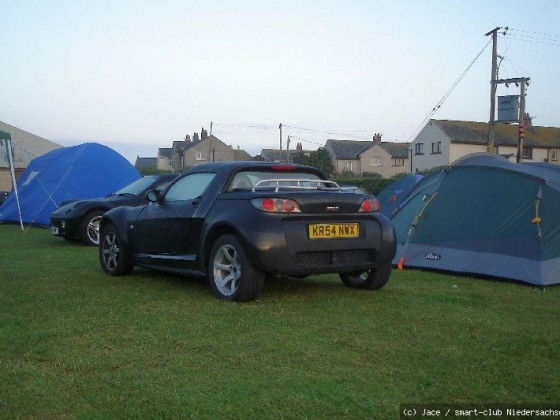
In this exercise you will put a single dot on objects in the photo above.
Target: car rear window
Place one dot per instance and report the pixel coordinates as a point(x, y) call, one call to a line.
point(266, 180)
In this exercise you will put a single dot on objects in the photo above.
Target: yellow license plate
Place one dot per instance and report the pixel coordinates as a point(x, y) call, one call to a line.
point(334, 230)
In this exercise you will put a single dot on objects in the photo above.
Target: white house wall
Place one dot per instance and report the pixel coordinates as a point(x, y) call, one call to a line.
point(431, 133)
point(164, 163)
point(539, 155)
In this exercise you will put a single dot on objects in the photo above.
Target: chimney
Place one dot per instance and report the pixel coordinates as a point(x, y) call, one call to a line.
point(203, 134)
point(195, 137)
point(187, 139)
point(299, 147)
point(377, 138)
point(527, 120)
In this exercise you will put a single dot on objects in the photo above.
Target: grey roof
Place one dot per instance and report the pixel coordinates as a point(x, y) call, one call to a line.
point(143, 162)
point(352, 149)
point(347, 149)
point(165, 152)
point(472, 132)
point(396, 150)
point(276, 155)
point(182, 145)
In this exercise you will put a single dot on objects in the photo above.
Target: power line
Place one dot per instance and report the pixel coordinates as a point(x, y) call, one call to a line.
point(517, 67)
point(533, 40)
point(536, 33)
point(254, 127)
point(451, 89)
point(332, 133)
point(306, 140)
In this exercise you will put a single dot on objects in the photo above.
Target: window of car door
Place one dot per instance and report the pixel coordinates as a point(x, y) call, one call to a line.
point(189, 187)
point(164, 229)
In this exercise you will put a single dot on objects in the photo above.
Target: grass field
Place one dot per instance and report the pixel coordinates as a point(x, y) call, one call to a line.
point(77, 343)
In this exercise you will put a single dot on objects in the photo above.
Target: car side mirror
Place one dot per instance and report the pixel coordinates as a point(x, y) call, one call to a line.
point(154, 196)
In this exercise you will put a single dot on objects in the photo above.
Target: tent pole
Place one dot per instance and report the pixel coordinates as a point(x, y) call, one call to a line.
point(14, 183)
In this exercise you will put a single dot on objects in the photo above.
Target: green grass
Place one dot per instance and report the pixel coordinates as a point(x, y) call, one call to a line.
point(77, 343)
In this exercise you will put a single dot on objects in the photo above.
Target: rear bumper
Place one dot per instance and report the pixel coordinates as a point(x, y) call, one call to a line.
point(287, 249)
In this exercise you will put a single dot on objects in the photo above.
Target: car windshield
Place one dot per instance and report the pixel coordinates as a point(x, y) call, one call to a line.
point(137, 186)
point(264, 180)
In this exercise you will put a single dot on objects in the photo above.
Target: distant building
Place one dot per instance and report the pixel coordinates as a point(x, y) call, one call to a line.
point(145, 162)
point(164, 157)
point(189, 153)
point(26, 147)
point(376, 156)
point(441, 142)
point(277, 155)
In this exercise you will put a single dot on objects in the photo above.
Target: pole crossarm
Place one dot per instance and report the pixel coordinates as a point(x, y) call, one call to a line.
point(513, 80)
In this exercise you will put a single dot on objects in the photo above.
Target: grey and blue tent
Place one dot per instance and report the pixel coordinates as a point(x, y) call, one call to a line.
point(396, 192)
point(484, 215)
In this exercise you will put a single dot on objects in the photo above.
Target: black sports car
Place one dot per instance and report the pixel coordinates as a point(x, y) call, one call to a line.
point(80, 219)
point(234, 222)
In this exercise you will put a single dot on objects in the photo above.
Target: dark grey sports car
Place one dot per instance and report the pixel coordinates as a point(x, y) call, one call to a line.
point(234, 222)
point(80, 219)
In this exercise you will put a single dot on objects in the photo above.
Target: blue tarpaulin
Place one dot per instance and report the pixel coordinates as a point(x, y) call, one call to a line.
point(88, 170)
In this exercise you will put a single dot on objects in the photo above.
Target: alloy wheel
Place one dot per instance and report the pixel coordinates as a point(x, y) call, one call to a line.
point(227, 270)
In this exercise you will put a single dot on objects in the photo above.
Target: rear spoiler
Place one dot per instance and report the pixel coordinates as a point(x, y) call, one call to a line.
point(296, 184)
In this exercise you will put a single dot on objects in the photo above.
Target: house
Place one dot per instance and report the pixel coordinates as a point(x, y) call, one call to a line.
point(164, 158)
point(359, 157)
point(26, 147)
point(188, 153)
point(277, 155)
point(145, 162)
point(441, 142)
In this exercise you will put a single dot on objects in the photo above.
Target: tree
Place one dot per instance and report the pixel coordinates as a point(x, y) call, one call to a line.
point(320, 159)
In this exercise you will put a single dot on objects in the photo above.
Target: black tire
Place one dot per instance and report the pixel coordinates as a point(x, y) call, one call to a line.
point(231, 273)
point(368, 279)
point(112, 254)
point(90, 227)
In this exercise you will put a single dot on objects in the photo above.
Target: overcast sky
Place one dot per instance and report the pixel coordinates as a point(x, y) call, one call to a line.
point(137, 75)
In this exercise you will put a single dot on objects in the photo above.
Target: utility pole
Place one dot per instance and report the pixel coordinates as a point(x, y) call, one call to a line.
point(493, 78)
point(280, 127)
point(521, 119)
point(211, 124)
point(288, 150)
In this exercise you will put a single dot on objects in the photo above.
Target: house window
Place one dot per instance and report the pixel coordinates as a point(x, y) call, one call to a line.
point(376, 161)
point(348, 166)
point(419, 148)
point(553, 154)
point(436, 148)
point(527, 153)
point(199, 156)
point(398, 162)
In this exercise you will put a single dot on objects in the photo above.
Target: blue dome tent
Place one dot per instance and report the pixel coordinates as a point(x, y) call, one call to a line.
point(396, 192)
point(88, 170)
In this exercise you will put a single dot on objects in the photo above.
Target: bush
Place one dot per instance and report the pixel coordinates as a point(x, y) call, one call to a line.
point(371, 185)
point(151, 170)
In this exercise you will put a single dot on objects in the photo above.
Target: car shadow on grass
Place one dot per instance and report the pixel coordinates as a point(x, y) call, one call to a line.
point(274, 286)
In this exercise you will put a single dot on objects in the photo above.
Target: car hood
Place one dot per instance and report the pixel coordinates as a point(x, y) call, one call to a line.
point(111, 201)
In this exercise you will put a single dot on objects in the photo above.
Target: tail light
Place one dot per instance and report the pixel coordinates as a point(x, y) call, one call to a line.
point(370, 205)
point(276, 205)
